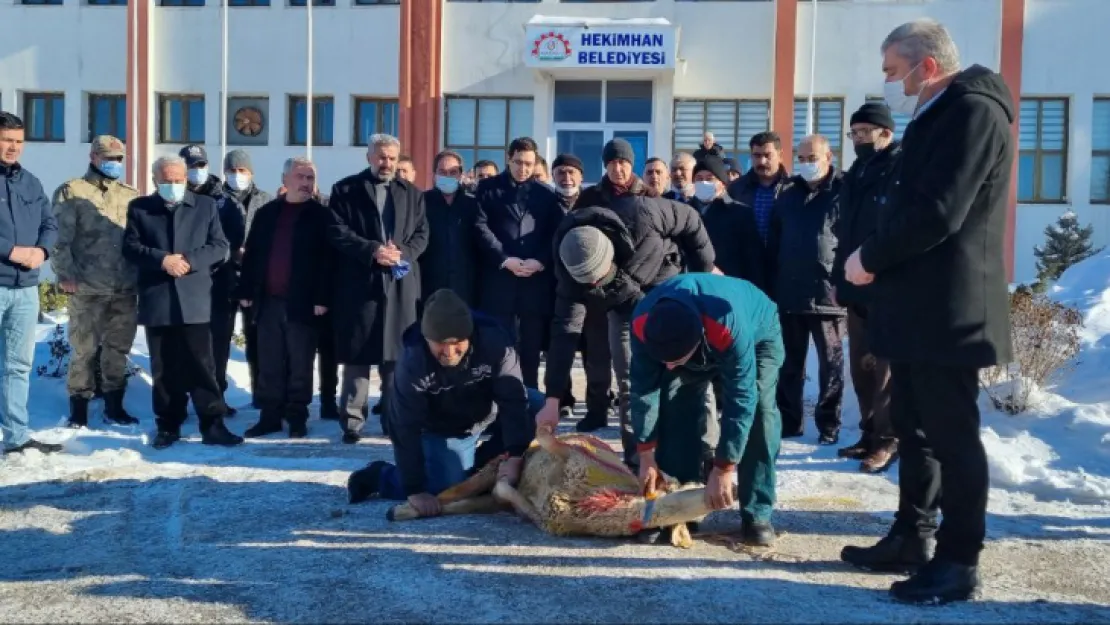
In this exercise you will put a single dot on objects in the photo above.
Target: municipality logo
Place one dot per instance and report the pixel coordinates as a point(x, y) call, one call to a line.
point(551, 46)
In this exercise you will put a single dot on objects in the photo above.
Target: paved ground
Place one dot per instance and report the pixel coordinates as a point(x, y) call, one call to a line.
point(263, 533)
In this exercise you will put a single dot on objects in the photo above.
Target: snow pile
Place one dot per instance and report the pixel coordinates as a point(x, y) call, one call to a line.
point(1060, 448)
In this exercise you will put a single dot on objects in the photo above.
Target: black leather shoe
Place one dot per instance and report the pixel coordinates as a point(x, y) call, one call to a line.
point(856, 451)
point(895, 553)
point(828, 438)
point(263, 428)
point(164, 439)
point(937, 583)
point(756, 534)
point(298, 429)
point(592, 422)
point(351, 437)
point(218, 434)
point(46, 448)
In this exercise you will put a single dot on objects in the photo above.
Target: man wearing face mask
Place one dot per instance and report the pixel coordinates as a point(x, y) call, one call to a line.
point(449, 262)
point(730, 224)
point(939, 310)
point(88, 261)
point(174, 239)
point(682, 179)
point(801, 251)
point(760, 187)
point(862, 197)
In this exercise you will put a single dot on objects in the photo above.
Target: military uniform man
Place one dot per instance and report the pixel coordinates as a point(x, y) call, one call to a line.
point(88, 260)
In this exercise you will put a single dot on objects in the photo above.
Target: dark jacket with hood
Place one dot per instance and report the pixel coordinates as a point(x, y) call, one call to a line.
point(862, 196)
point(653, 239)
point(732, 229)
point(940, 291)
point(247, 202)
point(457, 401)
point(801, 247)
point(451, 259)
point(516, 219)
point(716, 150)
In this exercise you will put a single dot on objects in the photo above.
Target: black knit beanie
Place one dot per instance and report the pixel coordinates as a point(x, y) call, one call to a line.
point(446, 316)
point(568, 160)
point(874, 113)
point(618, 148)
point(672, 331)
point(714, 165)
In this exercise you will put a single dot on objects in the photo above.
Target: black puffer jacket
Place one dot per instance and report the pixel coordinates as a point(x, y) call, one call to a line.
point(802, 246)
point(653, 239)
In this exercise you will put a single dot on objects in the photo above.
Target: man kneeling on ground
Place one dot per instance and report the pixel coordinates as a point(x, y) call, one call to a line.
point(456, 366)
point(688, 331)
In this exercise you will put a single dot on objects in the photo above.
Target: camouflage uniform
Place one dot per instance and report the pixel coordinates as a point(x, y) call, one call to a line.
point(92, 213)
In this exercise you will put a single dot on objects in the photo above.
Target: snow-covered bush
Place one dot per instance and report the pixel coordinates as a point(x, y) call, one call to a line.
point(1066, 243)
point(1046, 341)
point(51, 297)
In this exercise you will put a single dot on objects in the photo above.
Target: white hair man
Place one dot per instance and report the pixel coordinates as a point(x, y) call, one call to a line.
point(940, 309)
point(174, 239)
point(380, 230)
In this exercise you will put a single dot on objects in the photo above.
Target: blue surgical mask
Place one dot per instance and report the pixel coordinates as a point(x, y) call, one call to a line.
point(111, 169)
point(198, 176)
point(447, 184)
point(172, 192)
point(809, 171)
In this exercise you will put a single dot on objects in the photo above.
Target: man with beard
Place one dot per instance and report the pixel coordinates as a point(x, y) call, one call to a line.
point(760, 187)
point(618, 243)
point(380, 230)
point(456, 368)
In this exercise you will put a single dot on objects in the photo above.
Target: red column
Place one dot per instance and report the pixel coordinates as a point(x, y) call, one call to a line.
point(782, 102)
point(138, 102)
point(1013, 35)
point(420, 94)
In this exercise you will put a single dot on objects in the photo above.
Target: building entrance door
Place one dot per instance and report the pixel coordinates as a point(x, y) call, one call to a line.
point(588, 113)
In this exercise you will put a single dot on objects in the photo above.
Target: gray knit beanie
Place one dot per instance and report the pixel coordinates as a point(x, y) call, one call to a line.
point(238, 159)
point(587, 253)
point(446, 317)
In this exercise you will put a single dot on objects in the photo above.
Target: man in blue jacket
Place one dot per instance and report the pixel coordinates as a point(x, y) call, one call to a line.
point(456, 366)
point(27, 231)
point(688, 331)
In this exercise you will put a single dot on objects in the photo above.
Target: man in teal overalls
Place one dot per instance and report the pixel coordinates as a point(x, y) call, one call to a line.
point(687, 331)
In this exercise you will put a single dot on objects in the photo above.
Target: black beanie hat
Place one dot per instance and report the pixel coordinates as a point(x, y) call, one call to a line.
point(874, 113)
point(446, 316)
point(672, 330)
point(568, 160)
point(714, 165)
point(618, 148)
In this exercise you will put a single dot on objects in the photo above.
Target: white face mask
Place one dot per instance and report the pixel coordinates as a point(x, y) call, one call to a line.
point(567, 191)
point(705, 190)
point(239, 182)
point(198, 176)
point(894, 93)
point(809, 171)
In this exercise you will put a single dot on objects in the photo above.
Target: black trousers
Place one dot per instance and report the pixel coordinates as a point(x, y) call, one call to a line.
point(285, 355)
point(828, 335)
point(250, 334)
point(327, 367)
point(182, 367)
point(223, 328)
point(596, 360)
point(943, 464)
point(529, 333)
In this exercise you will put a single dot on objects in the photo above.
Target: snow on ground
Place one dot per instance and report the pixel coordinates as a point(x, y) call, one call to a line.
point(113, 530)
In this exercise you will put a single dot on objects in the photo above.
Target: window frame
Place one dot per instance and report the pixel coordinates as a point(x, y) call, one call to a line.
point(164, 99)
point(1038, 151)
point(48, 113)
point(41, 3)
point(742, 148)
point(117, 100)
point(477, 119)
point(182, 4)
point(1105, 152)
point(299, 4)
point(356, 117)
point(376, 3)
point(248, 4)
point(291, 120)
point(106, 3)
point(840, 136)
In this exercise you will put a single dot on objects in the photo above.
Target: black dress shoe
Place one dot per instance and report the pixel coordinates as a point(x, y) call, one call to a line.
point(856, 451)
point(163, 439)
point(937, 583)
point(351, 437)
point(263, 428)
point(757, 534)
point(895, 553)
point(828, 438)
point(592, 422)
point(298, 430)
point(46, 448)
point(218, 434)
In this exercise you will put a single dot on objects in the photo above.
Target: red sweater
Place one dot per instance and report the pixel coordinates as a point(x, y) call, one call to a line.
point(281, 251)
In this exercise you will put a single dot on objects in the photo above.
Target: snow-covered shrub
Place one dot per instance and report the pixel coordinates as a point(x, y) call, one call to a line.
point(1046, 341)
point(51, 297)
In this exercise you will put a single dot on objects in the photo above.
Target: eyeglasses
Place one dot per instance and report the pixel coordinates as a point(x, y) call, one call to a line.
point(861, 133)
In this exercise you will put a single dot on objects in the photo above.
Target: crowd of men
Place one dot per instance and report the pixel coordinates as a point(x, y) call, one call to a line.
point(697, 287)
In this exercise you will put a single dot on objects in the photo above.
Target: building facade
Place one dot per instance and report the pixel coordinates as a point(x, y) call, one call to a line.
point(572, 74)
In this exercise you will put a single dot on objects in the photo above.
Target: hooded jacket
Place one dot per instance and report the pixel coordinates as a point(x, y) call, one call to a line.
point(457, 401)
point(940, 289)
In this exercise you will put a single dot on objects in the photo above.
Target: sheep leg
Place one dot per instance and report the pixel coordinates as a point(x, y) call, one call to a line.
point(506, 493)
point(483, 504)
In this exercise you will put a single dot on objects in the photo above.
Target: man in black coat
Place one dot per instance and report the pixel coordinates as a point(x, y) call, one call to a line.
point(940, 310)
point(731, 225)
point(801, 250)
point(760, 187)
point(286, 281)
point(517, 218)
point(862, 196)
point(450, 260)
point(459, 378)
point(618, 243)
point(174, 239)
point(380, 231)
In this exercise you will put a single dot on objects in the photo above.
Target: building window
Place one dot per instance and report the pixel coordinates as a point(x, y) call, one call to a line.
point(181, 3)
point(828, 121)
point(107, 2)
point(1043, 150)
point(108, 116)
point(481, 128)
point(901, 120)
point(181, 119)
point(1100, 152)
point(44, 116)
point(248, 3)
point(323, 117)
point(363, 3)
point(732, 122)
point(41, 2)
point(374, 115)
point(315, 3)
